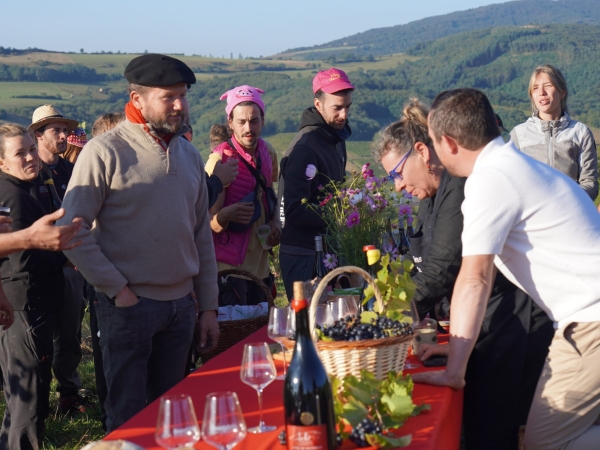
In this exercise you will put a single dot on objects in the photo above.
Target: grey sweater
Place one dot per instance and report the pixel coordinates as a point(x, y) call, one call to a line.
point(149, 210)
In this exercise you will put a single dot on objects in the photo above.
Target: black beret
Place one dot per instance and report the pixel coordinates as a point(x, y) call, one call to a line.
point(156, 70)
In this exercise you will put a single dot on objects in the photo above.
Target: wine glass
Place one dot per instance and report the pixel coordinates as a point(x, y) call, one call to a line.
point(176, 425)
point(258, 371)
point(278, 330)
point(414, 315)
point(346, 307)
point(323, 316)
point(223, 425)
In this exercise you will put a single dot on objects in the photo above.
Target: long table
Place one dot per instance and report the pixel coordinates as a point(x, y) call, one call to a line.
point(436, 429)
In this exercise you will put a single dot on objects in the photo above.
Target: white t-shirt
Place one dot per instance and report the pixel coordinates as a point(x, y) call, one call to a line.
point(542, 227)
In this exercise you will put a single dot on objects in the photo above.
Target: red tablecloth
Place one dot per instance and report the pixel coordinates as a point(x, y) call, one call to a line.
point(437, 429)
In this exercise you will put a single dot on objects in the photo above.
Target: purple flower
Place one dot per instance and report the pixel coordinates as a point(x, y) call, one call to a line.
point(356, 198)
point(405, 210)
point(366, 172)
point(330, 261)
point(369, 201)
point(311, 171)
point(410, 220)
point(353, 219)
point(320, 187)
point(407, 195)
point(371, 183)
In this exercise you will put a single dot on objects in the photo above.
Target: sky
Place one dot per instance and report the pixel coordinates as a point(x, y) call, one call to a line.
point(214, 27)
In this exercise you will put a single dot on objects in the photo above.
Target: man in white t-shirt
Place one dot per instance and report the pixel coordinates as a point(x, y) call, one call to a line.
point(543, 233)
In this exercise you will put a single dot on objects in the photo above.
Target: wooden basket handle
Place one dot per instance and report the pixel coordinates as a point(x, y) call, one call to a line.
point(323, 285)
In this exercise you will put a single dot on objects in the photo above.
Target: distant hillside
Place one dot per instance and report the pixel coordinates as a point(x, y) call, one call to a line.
point(397, 39)
point(497, 60)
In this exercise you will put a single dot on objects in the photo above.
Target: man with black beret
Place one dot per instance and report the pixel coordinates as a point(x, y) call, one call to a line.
point(150, 255)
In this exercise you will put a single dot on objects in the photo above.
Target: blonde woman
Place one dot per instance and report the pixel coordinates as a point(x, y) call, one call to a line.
point(551, 136)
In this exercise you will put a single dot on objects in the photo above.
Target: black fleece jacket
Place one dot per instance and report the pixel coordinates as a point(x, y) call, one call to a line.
point(32, 279)
point(322, 146)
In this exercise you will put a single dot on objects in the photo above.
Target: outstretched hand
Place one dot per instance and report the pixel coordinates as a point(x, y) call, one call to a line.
point(43, 234)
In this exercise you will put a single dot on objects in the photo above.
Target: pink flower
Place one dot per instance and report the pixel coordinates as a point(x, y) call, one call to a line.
point(366, 172)
point(311, 171)
point(325, 200)
point(371, 183)
point(330, 261)
point(353, 219)
point(405, 210)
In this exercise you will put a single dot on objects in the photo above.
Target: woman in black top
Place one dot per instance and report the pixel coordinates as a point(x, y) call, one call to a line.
point(33, 283)
point(512, 345)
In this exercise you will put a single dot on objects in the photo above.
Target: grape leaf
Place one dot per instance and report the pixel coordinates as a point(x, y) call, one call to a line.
point(354, 411)
point(367, 316)
point(420, 408)
point(400, 407)
point(365, 389)
point(389, 441)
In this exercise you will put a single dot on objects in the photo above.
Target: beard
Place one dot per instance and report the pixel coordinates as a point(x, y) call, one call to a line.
point(162, 126)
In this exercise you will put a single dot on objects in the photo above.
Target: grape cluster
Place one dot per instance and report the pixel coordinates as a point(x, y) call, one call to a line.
point(367, 426)
point(351, 329)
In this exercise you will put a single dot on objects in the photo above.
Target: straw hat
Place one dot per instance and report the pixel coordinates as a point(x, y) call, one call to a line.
point(47, 114)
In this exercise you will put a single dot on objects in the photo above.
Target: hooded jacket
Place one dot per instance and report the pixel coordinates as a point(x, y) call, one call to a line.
point(324, 147)
point(565, 144)
point(32, 279)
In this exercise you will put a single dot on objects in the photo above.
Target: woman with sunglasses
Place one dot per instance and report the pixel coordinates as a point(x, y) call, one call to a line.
point(509, 355)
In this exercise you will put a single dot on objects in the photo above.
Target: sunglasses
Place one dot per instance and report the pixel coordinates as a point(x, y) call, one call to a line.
point(393, 175)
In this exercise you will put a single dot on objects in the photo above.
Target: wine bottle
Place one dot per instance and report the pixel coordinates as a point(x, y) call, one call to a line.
point(307, 395)
point(319, 269)
point(404, 245)
point(56, 201)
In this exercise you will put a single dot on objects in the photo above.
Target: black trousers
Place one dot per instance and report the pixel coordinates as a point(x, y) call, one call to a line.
point(67, 337)
point(295, 268)
point(101, 389)
point(504, 368)
point(26, 350)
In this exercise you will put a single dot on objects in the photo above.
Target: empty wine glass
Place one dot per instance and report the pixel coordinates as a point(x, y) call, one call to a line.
point(278, 330)
point(258, 371)
point(291, 326)
point(177, 425)
point(414, 315)
point(346, 307)
point(223, 425)
point(323, 316)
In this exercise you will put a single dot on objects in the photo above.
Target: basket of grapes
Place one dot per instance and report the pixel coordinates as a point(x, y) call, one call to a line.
point(376, 341)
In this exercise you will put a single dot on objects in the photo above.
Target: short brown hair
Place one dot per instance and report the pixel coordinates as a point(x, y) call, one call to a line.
point(558, 81)
point(218, 133)
point(401, 136)
point(107, 122)
point(137, 88)
point(466, 116)
point(10, 130)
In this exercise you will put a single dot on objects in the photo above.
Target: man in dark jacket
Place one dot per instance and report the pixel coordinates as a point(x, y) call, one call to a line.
point(51, 130)
point(319, 146)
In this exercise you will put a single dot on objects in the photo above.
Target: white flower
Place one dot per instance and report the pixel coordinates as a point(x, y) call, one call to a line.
point(356, 198)
point(311, 171)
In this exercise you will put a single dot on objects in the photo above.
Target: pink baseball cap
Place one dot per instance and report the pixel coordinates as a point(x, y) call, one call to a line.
point(331, 80)
point(242, 94)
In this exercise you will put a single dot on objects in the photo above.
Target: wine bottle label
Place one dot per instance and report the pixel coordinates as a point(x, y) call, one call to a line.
point(313, 437)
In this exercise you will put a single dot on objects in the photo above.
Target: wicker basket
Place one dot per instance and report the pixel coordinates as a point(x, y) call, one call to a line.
point(340, 358)
point(233, 331)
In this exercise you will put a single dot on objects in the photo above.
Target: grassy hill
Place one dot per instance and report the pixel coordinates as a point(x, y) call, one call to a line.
point(496, 60)
point(396, 39)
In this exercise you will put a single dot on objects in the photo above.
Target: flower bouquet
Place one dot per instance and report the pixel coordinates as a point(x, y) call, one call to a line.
point(362, 210)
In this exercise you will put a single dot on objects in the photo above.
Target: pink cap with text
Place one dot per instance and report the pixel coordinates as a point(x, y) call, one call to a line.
point(331, 80)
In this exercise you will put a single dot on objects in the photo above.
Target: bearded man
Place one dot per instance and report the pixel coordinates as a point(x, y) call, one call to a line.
point(144, 185)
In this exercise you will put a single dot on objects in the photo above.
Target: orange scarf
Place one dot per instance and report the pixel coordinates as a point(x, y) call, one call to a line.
point(134, 115)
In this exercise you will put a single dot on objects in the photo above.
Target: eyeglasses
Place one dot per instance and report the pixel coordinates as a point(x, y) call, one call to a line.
point(393, 175)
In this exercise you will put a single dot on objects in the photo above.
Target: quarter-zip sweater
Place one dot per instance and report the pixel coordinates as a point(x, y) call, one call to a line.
point(150, 209)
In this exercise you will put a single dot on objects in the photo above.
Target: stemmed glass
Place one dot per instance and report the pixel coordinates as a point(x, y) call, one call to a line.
point(258, 371)
point(346, 306)
point(223, 425)
point(177, 425)
point(323, 315)
point(414, 315)
point(278, 330)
